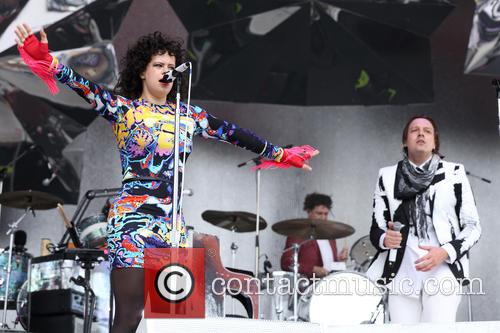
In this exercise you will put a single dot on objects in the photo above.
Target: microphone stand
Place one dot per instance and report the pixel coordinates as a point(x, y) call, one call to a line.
point(257, 161)
point(175, 232)
point(478, 177)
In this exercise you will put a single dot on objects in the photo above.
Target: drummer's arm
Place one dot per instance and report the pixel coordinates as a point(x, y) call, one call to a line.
point(319, 271)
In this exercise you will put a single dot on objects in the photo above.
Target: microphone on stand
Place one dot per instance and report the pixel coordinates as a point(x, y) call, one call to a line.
point(47, 181)
point(176, 72)
point(50, 166)
point(397, 226)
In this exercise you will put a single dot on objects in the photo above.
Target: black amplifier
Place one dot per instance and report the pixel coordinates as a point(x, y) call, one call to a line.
point(59, 301)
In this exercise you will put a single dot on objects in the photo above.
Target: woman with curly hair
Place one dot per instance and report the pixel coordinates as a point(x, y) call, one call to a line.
point(142, 116)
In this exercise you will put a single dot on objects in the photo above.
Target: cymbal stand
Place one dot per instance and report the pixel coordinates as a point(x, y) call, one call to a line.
point(295, 265)
point(234, 248)
point(295, 280)
point(12, 228)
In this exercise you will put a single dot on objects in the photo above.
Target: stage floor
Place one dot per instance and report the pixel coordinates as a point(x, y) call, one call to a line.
point(267, 326)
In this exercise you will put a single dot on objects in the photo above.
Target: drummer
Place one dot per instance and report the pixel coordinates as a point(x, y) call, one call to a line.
point(317, 257)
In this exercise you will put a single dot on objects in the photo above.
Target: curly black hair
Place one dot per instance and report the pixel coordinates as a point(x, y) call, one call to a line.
point(316, 199)
point(138, 57)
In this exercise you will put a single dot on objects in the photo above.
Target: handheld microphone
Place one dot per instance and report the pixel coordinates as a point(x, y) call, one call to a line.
point(397, 226)
point(176, 72)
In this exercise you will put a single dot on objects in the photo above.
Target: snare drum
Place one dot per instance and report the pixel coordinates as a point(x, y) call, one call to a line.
point(342, 298)
point(92, 231)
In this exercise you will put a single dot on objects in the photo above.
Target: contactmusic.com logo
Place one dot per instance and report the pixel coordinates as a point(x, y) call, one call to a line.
point(174, 283)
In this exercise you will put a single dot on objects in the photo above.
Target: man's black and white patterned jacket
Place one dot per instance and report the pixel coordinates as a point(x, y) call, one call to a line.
point(454, 217)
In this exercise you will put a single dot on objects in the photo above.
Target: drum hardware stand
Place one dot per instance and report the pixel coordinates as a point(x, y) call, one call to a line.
point(234, 248)
point(82, 208)
point(381, 306)
point(88, 260)
point(295, 279)
point(12, 228)
point(295, 265)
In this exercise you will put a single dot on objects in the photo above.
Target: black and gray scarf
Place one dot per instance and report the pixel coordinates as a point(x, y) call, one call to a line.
point(412, 187)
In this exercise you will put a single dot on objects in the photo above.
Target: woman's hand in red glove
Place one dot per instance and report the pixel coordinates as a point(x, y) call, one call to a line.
point(37, 49)
point(299, 156)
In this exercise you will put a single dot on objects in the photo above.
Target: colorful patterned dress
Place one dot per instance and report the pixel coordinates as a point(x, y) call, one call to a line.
point(140, 217)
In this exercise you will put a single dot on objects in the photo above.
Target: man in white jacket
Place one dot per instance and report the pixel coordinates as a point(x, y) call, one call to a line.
point(425, 263)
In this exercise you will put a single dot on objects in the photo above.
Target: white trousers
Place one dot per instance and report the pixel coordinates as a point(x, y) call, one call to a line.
point(426, 308)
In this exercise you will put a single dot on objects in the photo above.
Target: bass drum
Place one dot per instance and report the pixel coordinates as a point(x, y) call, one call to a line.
point(22, 306)
point(342, 298)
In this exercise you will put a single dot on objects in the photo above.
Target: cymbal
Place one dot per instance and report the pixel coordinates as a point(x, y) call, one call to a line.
point(312, 228)
point(237, 221)
point(30, 199)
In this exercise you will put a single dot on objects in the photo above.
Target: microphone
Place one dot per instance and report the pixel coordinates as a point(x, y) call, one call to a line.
point(397, 226)
point(176, 72)
point(19, 240)
point(47, 181)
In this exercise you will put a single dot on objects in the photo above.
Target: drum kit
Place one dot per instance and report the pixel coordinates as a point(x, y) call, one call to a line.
point(39, 288)
point(341, 297)
point(28, 278)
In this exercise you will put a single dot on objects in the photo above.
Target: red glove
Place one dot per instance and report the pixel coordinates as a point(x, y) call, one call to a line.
point(36, 49)
point(291, 157)
point(36, 55)
point(296, 156)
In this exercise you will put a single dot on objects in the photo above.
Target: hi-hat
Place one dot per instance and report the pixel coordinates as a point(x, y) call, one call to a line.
point(313, 228)
point(234, 221)
point(30, 199)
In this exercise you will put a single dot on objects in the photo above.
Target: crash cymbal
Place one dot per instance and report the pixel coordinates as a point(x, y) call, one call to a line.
point(237, 221)
point(30, 199)
point(311, 228)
